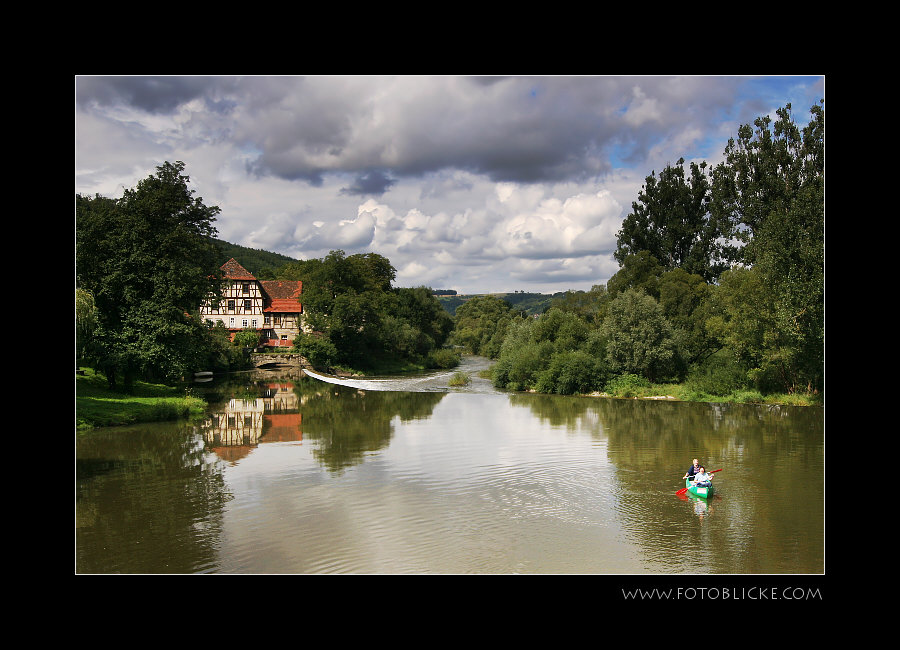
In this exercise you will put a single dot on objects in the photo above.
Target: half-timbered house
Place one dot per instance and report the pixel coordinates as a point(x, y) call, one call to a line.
point(270, 306)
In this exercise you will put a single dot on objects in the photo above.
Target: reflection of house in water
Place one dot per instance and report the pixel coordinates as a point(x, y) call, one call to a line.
point(247, 422)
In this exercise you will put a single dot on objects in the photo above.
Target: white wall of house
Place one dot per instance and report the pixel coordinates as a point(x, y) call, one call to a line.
point(241, 306)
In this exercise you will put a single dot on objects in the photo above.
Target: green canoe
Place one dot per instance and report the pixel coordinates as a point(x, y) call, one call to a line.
point(704, 492)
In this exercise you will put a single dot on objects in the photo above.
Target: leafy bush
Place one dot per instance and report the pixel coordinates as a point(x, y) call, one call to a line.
point(443, 358)
point(572, 372)
point(459, 379)
point(719, 375)
point(518, 369)
point(627, 385)
point(319, 351)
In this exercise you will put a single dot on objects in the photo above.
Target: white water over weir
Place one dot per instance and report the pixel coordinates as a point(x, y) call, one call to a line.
point(428, 382)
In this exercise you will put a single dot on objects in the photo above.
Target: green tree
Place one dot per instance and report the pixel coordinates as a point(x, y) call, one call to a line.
point(587, 304)
point(637, 271)
point(640, 338)
point(247, 338)
point(428, 321)
point(85, 323)
point(317, 349)
point(766, 169)
point(481, 323)
point(359, 319)
point(559, 352)
point(149, 261)
point(771, 188)
point(684, 299)
point(671, 220)
point(572, 371)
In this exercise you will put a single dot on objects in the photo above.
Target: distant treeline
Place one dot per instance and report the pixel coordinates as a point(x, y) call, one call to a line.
point(529, 303)
point(720, 286)
point(260, 263)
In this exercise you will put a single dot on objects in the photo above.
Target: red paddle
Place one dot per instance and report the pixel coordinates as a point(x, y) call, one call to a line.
point(684, 489)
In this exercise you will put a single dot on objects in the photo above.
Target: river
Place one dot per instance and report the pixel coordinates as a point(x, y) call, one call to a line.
point(289, 474)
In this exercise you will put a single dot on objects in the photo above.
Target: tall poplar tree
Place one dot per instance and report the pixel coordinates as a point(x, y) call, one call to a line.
point(672, 222)
point(771, 189)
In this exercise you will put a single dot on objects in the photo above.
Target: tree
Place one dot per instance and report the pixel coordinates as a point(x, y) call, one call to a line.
point(684, 299)
point(766, 169)
point(587, 304)
point(85, 323)
point(247, 338)
point(672, 222)
point(640, 270)
point(771, 189)
point(481, 323)
point(744, 320)
point(640, 339)
point(149, 261)
point(359, 319)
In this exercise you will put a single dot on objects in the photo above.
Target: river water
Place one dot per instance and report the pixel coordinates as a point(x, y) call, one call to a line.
point(289, 474)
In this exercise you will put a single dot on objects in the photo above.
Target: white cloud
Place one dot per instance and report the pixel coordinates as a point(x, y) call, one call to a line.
point(466, 183)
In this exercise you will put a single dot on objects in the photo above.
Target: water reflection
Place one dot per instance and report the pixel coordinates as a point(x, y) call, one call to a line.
point(344, 424)
point(148, 499)
point(271, 410)
point(289, 474)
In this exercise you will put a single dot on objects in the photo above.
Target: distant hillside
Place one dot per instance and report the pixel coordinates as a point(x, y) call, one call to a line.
point(254, 260)
point(530, 303)
point(260, 263)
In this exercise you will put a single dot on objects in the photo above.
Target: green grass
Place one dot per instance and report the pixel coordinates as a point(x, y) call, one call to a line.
point(460, 379)
point(685, 393)
point(97, 406)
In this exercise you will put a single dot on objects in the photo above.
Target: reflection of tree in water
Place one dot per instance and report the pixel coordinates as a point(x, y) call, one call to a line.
point(558, 410)
point(347, 423)
point(123, 527)
point(651, 443)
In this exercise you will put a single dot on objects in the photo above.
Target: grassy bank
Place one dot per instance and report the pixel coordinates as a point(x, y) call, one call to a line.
point(631, 387)
point(97, 406)
point(685, 393)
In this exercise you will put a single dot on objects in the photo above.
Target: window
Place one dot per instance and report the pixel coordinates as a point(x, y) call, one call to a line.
point(231, 305)
point(231, 322)
point(244, 323)
point(245, 288)
point(253, 323)
point(248, 305)
point(267, 319)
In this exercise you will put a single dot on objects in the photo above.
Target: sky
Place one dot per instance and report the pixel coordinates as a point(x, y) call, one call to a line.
point(474, 183)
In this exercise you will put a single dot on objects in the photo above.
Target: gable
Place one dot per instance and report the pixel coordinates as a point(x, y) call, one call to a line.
point(234, 271)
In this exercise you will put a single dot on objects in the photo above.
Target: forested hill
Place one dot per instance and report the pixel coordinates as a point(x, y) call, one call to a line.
point(530, 303)
point(263, 264)
point(254, 260)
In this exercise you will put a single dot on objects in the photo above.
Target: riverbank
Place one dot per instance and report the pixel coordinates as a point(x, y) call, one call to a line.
point(630, 387)
point(97, 406)
point(682, 393)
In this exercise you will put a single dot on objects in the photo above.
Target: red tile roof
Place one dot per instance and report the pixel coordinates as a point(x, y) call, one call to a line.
point(280, 296)
point(282, 289)
point(234, 271)
point(283, 295)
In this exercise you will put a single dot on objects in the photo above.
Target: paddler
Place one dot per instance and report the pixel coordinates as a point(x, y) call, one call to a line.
point(692, 470)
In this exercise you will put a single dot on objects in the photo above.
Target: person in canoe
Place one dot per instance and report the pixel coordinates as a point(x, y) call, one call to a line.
point(692, 470)
point(701, 478)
